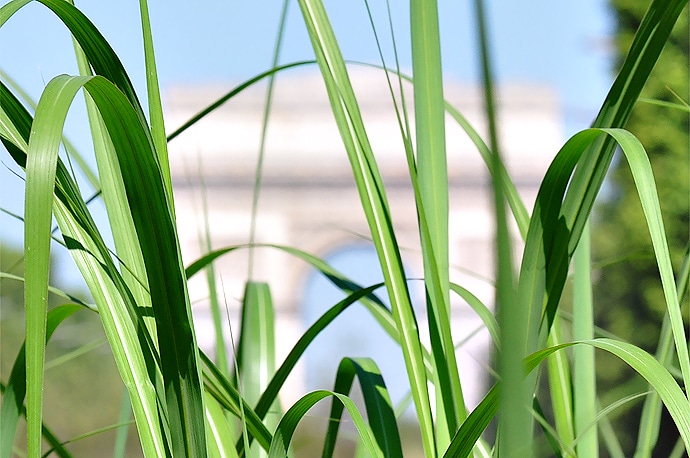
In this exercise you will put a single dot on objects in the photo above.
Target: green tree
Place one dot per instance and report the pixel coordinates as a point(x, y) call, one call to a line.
point(630, 300)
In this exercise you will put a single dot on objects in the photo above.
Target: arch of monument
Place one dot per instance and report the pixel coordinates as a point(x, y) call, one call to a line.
point(308, 199)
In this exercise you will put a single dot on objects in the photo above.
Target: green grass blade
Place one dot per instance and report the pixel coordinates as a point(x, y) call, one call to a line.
point(377, 402)
point(474, 425)
point(155, 228)
point(584, 370)
point(218, 103)
point(374, 203)
point(646, 188)
point(288, 424)
point(154, 99)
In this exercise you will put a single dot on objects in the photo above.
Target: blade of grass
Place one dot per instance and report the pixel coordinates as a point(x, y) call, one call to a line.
point(433, 189)
point(377, 402)
point(288, 424)
point(374, 203)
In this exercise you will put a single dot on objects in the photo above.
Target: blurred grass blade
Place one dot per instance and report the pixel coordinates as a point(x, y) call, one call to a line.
point(584, 369)
point(561, 389)
point(374, 204)
point(15, 390)
point(377, 402)
point(286, 428)
point(480, 309)
point(474, 425)
point(433, 189)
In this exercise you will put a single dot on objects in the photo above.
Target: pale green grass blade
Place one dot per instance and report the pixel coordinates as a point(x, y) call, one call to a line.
point(648, 434)
point(380, 414)
point(480, 309)
point(48, 434)
point(374, 203)
point(584, 369)
point(286, 428)
point(122, 433)
point(15, 390)
point(515, 436)
point(41, 165)
point(217, 430)
point(83, 165)
point(646, 188)
point(432, 175)
point(256, 359)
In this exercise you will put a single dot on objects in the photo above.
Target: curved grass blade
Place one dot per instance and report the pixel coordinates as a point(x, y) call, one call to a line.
point(480, 309)
point(15, 390)
point(377, 402)
point(148, 204)
point(288, 424)
point(118, 310)
point(648, 367)
point(219, 441)
point(651, 411)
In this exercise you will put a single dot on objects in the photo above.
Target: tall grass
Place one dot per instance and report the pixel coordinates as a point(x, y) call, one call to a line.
point(184, 404)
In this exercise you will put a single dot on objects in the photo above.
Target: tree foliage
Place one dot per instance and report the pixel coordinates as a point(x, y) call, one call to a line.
point(630, 301)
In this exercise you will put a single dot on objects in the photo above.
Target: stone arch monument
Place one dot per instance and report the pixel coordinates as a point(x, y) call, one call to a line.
point(308, 198)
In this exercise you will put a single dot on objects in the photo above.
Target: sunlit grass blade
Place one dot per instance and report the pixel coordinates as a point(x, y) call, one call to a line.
point(377, 402)
point(256, 358)
point(15, 390)
point(286, 428)
point(217, 430)
point(374, 204)
point(157, 236)
point(480, 309)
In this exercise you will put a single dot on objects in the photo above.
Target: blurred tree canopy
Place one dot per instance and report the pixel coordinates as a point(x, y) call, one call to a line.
point(630, 301)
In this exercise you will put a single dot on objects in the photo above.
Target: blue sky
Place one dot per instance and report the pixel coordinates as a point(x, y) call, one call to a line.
point(561, 44)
